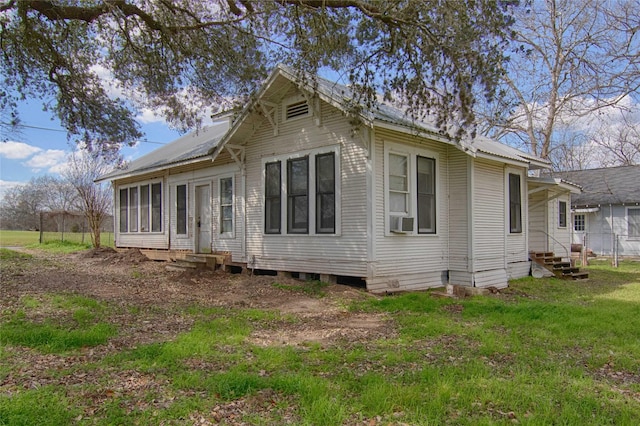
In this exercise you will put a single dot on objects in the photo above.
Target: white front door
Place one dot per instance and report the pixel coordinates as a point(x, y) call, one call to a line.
point(203, 219)
point(579, 226)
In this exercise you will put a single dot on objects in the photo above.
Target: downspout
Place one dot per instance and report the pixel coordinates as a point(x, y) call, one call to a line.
point(243, 238)
point(113, 212)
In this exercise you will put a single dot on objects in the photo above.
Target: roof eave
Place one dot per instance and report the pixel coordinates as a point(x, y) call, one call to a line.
point(140, 172)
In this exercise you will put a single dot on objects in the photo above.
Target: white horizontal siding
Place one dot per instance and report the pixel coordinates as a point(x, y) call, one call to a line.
point(538, 221)
point(341, 254)
point(458, 210)
point(406, 282)
point(491, 278)
point(232, 244)
point(410, 254)
point(518, 269)
point(488, 215)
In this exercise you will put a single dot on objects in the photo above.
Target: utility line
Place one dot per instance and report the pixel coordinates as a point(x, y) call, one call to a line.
point(26, 126)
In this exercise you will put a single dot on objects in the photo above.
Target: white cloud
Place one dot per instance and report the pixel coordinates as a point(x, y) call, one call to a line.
point(148, 116)
point(17, 150)
point(49, 159)
point(5, 185)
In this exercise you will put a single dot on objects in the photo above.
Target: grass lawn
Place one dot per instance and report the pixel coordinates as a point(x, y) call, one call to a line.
point(31, 238)
point(545, 351)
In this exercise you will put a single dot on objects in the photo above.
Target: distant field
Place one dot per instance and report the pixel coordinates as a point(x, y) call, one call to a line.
point(24, 238)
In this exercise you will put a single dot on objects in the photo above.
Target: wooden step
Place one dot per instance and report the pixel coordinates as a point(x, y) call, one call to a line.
point(580, 275)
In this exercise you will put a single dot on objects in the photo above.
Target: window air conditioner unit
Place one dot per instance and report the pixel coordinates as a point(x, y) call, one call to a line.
point(401, 224)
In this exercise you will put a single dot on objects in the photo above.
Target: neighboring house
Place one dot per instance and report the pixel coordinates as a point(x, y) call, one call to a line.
point(607, 213)
point(300, 183)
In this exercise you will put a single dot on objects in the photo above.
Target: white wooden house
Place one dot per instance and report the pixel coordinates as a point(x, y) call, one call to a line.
point(606, 215)
point(298, 182)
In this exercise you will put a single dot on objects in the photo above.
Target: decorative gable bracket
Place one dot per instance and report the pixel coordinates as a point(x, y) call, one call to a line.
point(270, 110)
point(237, 153)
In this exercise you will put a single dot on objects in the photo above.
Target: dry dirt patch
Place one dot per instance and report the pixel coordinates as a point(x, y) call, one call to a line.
point(152, 298)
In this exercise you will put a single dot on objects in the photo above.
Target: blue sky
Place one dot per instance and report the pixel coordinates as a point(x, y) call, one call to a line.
point(40, 146)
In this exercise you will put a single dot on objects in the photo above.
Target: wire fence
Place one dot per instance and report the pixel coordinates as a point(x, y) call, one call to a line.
point(82, 237)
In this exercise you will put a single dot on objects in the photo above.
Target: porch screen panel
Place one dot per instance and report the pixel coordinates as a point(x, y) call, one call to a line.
point(144, 208)
point(298, 195)
point(325, 193)
point(272, 198)
point(156, 207)
point(124, 215)
point(426, 195)
point(133, 209)
point(515, 204)
point(181, 209)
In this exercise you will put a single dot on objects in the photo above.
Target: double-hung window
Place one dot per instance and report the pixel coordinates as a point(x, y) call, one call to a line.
point(181, 209)
point(306, 202)
point(272, 198)
point(426, 190)
point(411, 192)
point(140, 208)
point(398, 184)
point(226, 206)
point(325, 193)
point(633, 222)
point(515, 204)
point(298, 195)
point(562, 214)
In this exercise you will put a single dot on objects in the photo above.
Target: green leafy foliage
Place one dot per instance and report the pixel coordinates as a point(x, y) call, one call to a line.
point(182, 56)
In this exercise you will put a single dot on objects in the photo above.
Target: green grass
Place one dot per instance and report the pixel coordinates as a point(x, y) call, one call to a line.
point(32, 238)
point(545, 351)
point(72, 322)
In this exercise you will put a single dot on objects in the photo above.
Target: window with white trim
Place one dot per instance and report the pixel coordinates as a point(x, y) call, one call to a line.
point(633, 222)
point(411, 190)
point(226, 206)
point(300, 191)
point(426, 190)
point(298, 195)
point(326, 193)
point(515, 203)
point(579, 222)
point(398, 184)
point(562, 214)
point(181, 209)
point(140, 208)
point(272, 198)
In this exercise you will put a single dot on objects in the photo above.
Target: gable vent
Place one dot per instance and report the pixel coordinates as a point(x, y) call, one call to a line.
point(297, 109)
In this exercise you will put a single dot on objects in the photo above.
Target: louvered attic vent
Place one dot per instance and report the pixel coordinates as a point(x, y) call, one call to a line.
point(297, 109)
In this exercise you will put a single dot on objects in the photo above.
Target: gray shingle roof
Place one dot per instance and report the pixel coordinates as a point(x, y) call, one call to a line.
point(613, 185)
point(189, 147)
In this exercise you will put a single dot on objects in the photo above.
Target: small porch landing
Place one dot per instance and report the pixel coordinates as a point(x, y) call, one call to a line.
point(560, 268)
point(188, 261)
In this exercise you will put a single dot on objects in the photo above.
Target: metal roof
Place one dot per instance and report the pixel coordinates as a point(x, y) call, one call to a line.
point(188, 148)
point(612, 185)
point(209, 140)
point(340, 96)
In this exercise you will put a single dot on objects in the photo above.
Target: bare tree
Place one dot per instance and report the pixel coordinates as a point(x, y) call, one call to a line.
point(570, 59)
point(96, 199)
point(21, 206)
